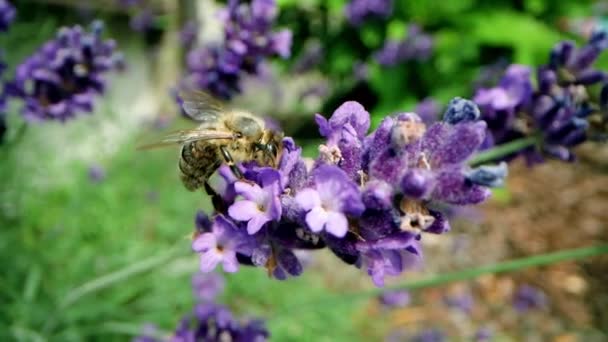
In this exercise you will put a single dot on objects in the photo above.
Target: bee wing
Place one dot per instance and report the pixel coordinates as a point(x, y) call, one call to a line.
point(201, 106)
point(186, 136)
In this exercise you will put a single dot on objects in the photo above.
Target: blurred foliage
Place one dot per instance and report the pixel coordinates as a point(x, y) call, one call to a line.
point(60, 230)
point(468, 35)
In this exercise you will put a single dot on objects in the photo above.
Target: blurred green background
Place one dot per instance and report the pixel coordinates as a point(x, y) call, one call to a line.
point(62, 232)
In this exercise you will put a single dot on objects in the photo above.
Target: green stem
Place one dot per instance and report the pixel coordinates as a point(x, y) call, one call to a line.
point(503, 150)
point(502, 267)
point(467, 274)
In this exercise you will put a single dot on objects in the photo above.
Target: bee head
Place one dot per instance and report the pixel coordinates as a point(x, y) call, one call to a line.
point(270, 148)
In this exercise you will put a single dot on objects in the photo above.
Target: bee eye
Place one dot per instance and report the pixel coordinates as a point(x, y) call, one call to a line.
point(272, 149)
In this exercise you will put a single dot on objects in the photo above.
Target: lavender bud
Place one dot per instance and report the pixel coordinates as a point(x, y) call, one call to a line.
point(416, 183)
point(561, 54)
point(599, 39)
point(202, 222)
point(591, 77)
point(488, 175)
point(461, 110)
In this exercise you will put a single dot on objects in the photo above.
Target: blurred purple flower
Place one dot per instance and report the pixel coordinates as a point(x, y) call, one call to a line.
point(358, 11)
point(148, 334)
point(207, 286)
point(430, 335)
point(248, 40)
point(489, 75)
point(188, 34)
point(557, 109)
point(396, 298)
point(142, 21)
point(528, 297)
point(65, 75)
point(97, 173)
point(209, 321)
point(416, 46)
point(428, 110)
point(483, 334)
point(461, 302)
point(309, 58)
point(7, 15)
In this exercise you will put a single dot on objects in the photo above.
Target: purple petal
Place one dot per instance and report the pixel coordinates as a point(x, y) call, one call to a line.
point(209, 259)
point(256, 223)
point(230, 264)
point(453, 188)
point(289, 262)
point(459, 144)
point(376, 142)
point(337, 224)
point(281, 43)
point(244, 210)
point(353, 113)
point(378, 195)
point(204, 242)
point(324, 128)
point(252, 192)
point(308, 199)
point(316, 219)
point(440, 225)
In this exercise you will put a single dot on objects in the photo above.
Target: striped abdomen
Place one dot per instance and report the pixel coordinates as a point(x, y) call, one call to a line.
point(198, 162)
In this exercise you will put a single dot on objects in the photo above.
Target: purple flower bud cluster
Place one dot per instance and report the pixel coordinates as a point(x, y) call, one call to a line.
point(248, 40)
point(189, 34)
point(65, 75)
point(528, 297)
point(367, 197)
point(210, 321)
point(142, 18)
point(7, 15)
point(358, 11)
point(416, 46)
point(557, 107)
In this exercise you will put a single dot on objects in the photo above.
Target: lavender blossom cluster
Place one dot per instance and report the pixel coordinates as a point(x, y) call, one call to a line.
point(7, 15)
point(210, 321)
point(248, 40)
point(367, 197)
point(418, 45)
point(65, 75)
point(558, 108)
point(358, 11)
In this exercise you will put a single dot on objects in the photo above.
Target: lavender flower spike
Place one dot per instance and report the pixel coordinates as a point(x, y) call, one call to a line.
point(357, 11)
point(328, 204)
point(63, 78)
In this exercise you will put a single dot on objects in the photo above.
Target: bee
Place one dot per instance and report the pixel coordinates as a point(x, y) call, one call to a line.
point(224, 135)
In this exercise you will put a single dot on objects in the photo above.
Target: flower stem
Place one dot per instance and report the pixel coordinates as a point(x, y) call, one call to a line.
point(503, 150)
point(502, 267)
point(462, 275)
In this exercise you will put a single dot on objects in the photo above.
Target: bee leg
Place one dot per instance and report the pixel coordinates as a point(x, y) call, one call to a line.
point(216, 199)
point(233, 167)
